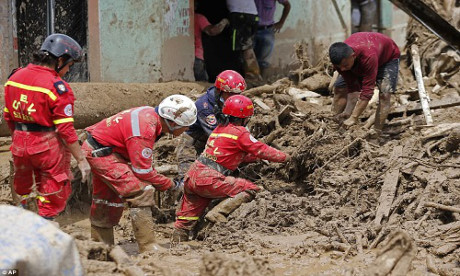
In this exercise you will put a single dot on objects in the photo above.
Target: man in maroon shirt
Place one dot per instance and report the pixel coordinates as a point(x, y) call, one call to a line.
point(364, 60)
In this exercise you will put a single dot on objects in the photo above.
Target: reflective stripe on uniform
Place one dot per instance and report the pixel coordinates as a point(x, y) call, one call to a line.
point(61, 121)
point(188, 218)
point(226, 135)
point(105, 202)
point(135, 120)
point(6, 110)
point(142, 171)
point(42, 199)
point(32, 88)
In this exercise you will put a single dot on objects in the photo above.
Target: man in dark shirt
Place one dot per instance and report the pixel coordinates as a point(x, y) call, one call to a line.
point(364, 60)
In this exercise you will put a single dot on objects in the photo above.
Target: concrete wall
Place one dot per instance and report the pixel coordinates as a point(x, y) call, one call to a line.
point(8, 41)
point(140, 41)
point(394, 21)
point(152, 40)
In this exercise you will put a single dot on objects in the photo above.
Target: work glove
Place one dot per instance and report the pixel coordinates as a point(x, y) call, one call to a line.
point(85, 169)
point(178, 184)
point(288, 158)
point(173, 194)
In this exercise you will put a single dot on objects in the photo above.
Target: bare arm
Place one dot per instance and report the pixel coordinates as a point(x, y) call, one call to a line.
point(216, 29)
point(286, 9)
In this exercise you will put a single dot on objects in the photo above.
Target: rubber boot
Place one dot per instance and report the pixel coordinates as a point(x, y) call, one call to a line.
point(251, 67)
point(180, 235)
point(104, 235)
point(141, 218)
point(227, 206)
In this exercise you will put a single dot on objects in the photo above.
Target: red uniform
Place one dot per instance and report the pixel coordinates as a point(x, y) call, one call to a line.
point(36, 101)
point(131, 134)
point(228, 146)
point(372, 51)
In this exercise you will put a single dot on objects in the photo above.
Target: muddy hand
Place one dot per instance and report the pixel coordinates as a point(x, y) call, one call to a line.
point(339, 118)
point(350, 122)
point(85, 169)
point(277, 27)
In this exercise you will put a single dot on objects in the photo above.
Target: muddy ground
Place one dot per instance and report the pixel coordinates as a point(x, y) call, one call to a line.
point(345, 205)
point(317, 215)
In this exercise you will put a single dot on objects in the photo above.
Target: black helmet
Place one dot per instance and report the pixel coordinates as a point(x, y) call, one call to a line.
point(60, 44)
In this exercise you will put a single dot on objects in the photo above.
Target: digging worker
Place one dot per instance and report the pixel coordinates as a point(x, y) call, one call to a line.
point(209, 108)
point(229, 145)
point(364, 60)
point(120, 152)
point(39, 111)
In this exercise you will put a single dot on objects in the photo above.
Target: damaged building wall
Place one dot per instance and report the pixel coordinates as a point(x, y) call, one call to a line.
point(152, 40)
point(142, 41)
point(8, 45)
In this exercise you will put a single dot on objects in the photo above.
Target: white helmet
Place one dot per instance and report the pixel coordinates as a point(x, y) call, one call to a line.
point(179, 109)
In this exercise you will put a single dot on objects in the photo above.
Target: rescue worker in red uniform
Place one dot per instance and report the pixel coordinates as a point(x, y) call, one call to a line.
point(209, 106)
point(229, 145)
point(39, 108)
point(120, 152)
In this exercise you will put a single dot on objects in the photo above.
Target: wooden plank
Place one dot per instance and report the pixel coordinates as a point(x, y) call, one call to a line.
point(424, 100)
point(429, 18)
point(389, 187)
point(434, 104)
point(261, 103)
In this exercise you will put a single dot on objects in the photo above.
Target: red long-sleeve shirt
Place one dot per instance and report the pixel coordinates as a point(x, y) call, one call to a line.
point(231, 145)
point(132, 133)
point(36, 94)
point(372, 50)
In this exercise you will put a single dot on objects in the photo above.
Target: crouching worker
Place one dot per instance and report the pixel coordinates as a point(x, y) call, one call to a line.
point(119, 150)
point(229, 145)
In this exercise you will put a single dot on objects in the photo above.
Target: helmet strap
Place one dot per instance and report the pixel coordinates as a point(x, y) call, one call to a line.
point(58, 68)
point(171, 129)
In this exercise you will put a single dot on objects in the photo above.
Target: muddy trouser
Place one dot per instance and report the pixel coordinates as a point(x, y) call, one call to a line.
point(244, 27)
point(114, 183)
point(387, 77)
point(199, 70)
point(43, 157)
point(202, 185)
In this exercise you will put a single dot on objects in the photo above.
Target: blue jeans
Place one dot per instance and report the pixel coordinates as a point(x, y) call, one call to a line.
point(263, 46)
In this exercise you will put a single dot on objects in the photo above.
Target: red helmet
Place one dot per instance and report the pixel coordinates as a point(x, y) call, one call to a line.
point(230, 81)
point(238, 106)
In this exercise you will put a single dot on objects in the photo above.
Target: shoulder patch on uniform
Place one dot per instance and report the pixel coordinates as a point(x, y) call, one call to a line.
point(60, 87)
point(147, 152)
point(211, 119)
point(205, 105)
point(254, 140)
point(68, 110)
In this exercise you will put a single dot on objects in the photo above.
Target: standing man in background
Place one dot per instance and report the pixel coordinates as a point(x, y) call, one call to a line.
point(243, 21)
point(202, 25)
point(265, 35)
point(365, 15)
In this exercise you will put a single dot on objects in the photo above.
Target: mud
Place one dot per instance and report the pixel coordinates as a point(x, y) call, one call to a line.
point(345, 204)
